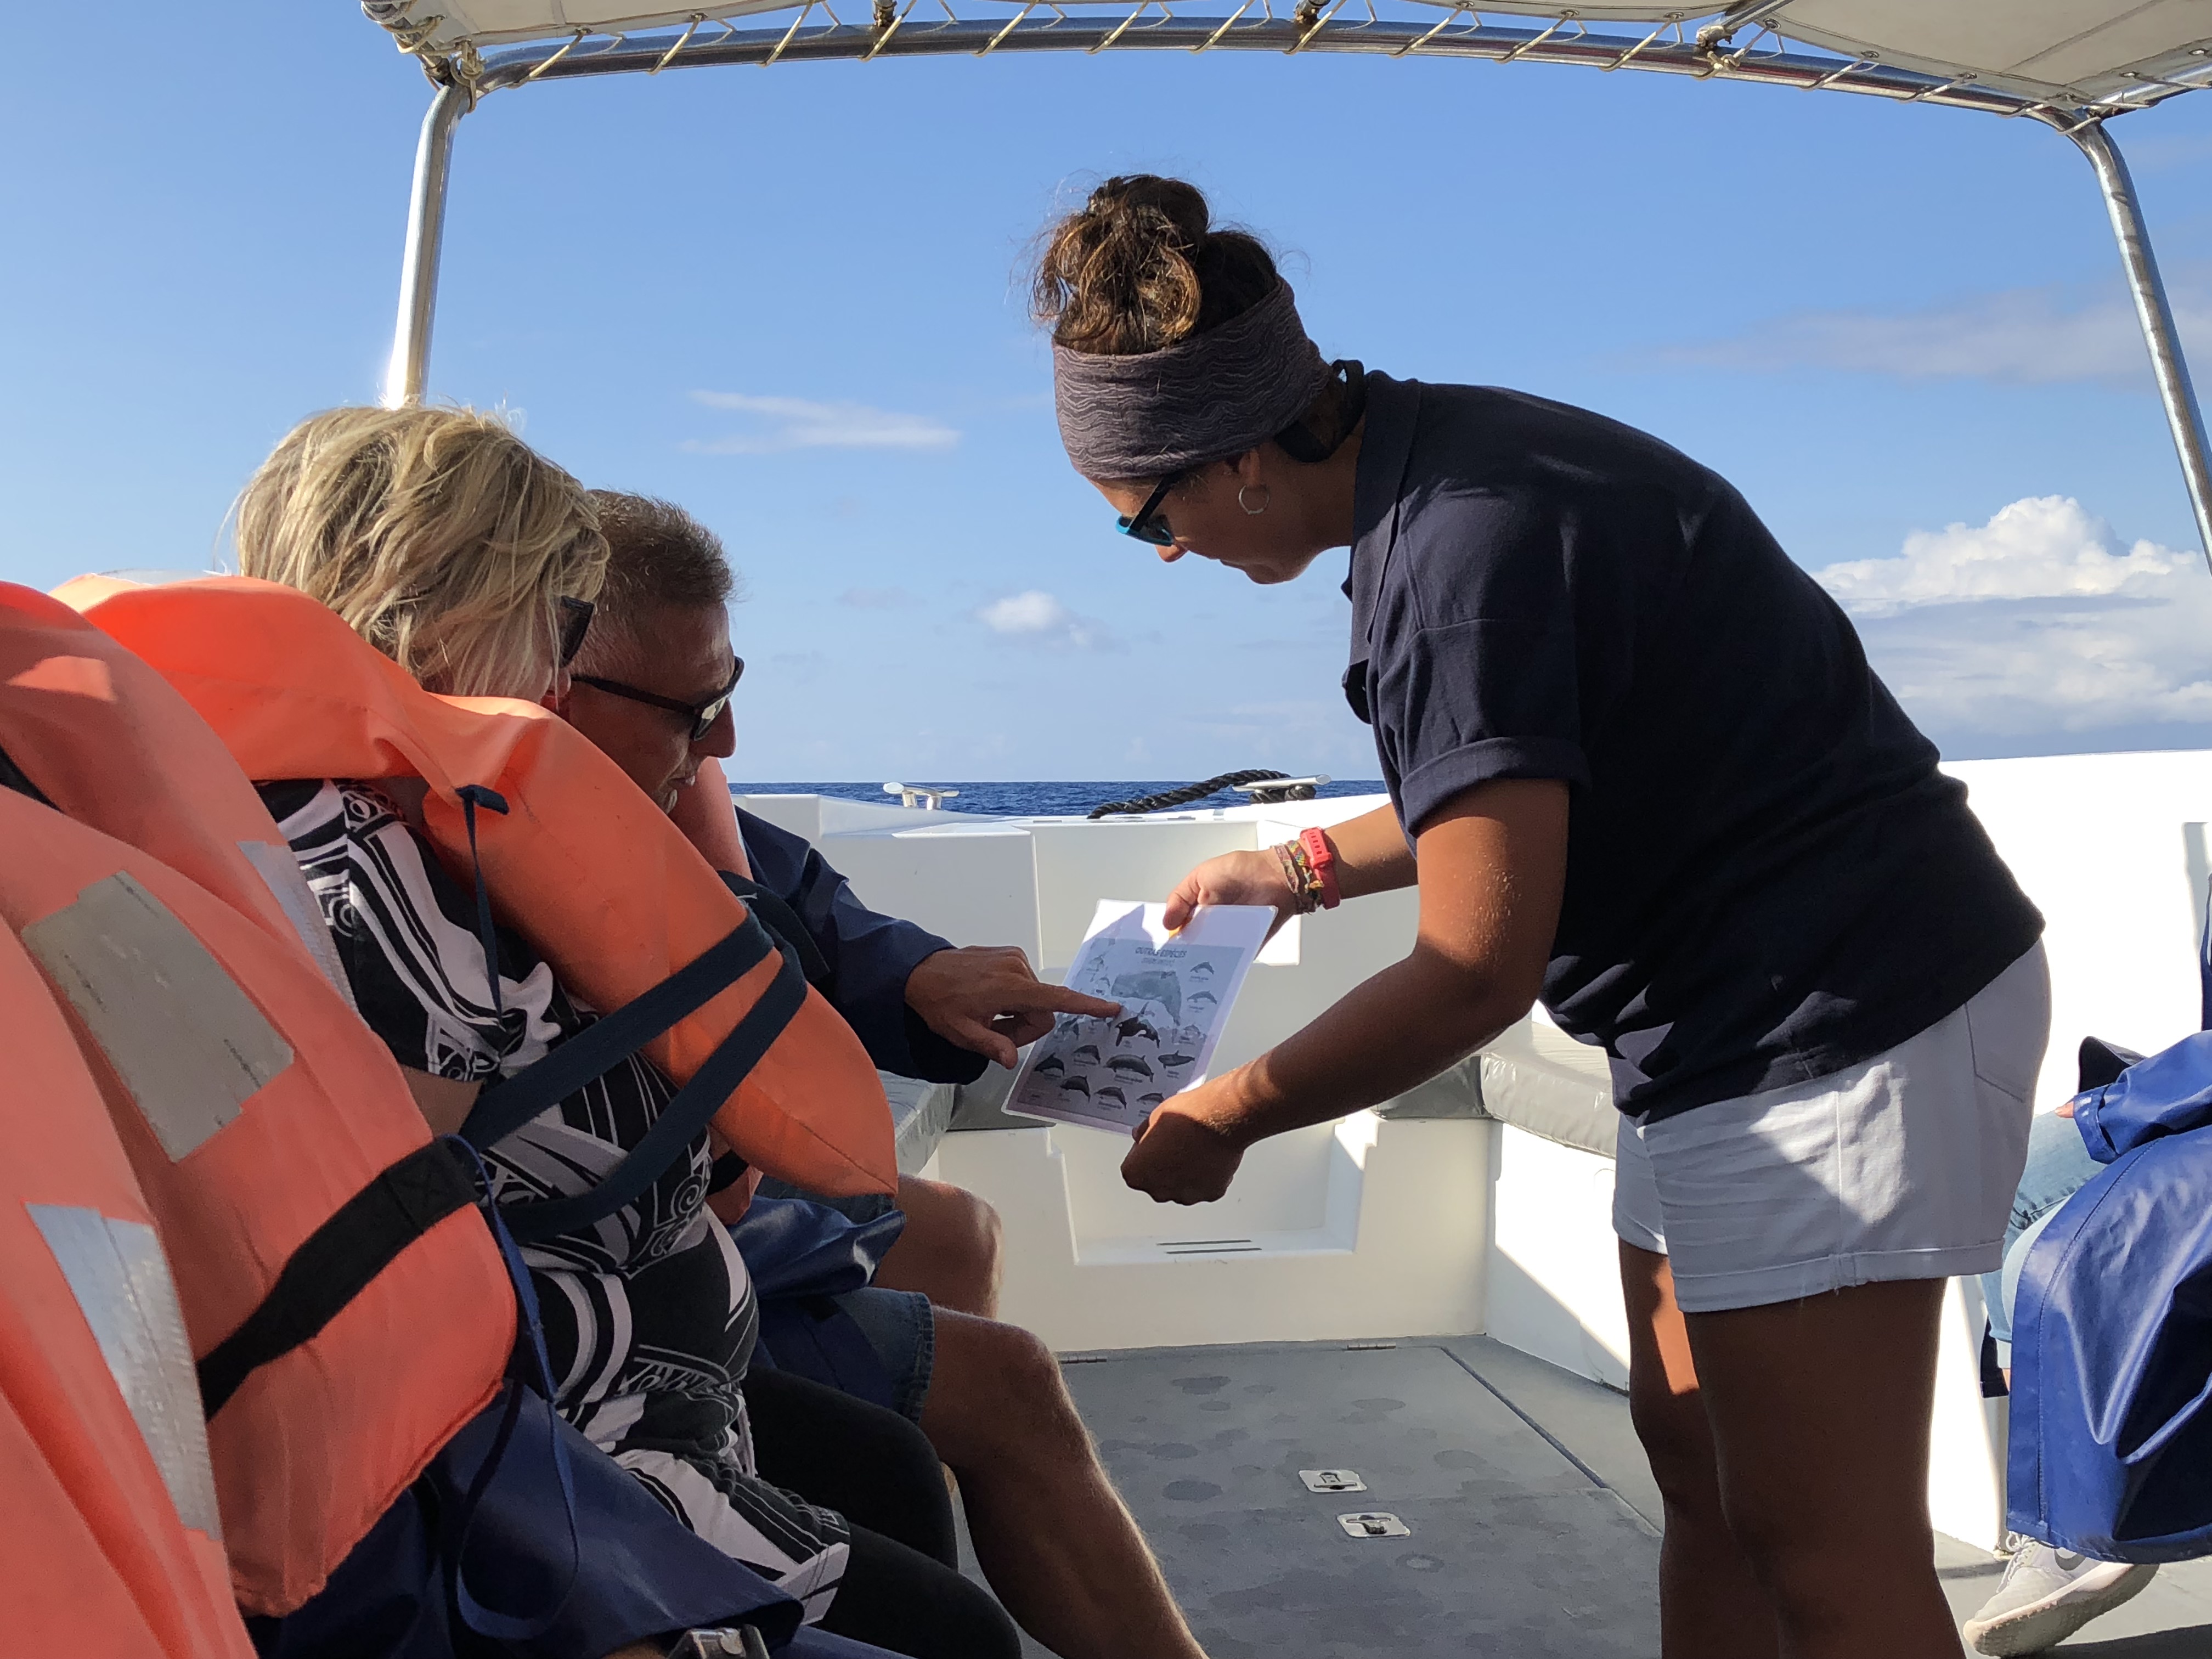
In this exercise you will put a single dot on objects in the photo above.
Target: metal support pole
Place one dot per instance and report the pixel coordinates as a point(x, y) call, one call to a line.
point(2166, 362)
point(418, 266)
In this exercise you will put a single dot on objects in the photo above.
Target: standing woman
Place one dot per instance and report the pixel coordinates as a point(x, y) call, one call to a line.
point(1638, 768)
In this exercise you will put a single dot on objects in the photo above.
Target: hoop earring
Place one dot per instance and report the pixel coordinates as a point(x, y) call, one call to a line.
point(1253, 511)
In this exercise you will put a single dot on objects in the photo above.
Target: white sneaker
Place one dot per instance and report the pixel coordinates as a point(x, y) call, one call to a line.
point(2048, 1594)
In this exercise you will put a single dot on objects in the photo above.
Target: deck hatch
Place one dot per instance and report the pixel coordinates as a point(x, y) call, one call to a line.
point(1332, 1480)
point(1374, 1523)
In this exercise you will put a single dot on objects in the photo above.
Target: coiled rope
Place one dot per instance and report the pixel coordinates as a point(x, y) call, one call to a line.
point(1187, 793)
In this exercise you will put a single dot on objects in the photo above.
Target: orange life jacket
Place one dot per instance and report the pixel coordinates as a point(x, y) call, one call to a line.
point(347, 1310)
point(708, 818)
point(114, 1544)
point(580, 863)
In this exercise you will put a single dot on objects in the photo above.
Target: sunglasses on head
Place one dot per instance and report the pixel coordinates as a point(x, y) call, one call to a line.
point(1145, 526)
point(703, 716)
point(576, 622)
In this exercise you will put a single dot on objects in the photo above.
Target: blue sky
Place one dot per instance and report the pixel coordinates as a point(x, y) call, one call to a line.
point(791, 300)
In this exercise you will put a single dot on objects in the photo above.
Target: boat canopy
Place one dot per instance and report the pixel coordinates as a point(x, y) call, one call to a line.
point(2067, 52)
point(2069, 65)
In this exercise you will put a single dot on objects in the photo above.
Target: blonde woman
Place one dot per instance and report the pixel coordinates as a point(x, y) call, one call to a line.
point(453, 548)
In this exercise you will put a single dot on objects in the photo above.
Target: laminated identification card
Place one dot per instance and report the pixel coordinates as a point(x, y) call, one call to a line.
point(1175, 991)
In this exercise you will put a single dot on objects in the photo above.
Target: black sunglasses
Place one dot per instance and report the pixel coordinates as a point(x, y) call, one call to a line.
point(1141, 526)
point(703, 716)
point(576, 622)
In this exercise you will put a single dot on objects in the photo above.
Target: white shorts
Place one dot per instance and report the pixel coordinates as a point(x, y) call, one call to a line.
point(1902, 1167)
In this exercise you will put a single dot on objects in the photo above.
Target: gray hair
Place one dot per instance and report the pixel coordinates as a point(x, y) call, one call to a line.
point(659, 558)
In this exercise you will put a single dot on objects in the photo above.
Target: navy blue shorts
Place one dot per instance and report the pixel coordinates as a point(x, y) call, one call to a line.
point(901, 1327)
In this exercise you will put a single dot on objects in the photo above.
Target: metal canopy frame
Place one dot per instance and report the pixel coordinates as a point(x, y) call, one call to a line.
point(1671, 47)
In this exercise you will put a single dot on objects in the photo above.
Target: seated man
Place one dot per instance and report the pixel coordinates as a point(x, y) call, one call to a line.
point(650, 688)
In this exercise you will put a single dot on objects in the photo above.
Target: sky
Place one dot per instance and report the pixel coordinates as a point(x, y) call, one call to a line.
point(792, 300)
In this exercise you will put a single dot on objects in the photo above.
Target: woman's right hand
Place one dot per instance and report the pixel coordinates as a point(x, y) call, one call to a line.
point(1234, 878)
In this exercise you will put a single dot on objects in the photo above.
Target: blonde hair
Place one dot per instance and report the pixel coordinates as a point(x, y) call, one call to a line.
point(441, 537)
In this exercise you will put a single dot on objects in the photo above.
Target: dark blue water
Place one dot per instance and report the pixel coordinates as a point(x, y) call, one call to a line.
point(1034, 800)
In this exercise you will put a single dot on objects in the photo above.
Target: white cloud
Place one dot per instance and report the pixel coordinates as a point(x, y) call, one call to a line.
point(2031, 335)
point(1036, 617)
point(2042, 547)
point(1033, 612)
point(2032, 632)
point(797, 423)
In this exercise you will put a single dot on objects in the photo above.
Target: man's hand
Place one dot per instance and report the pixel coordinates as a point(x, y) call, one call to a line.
point(983, 998)
point(1181, 1156)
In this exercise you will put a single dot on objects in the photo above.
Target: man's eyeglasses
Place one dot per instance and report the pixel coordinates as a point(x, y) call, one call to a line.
point(576, 622)
point(1143, 526)
point(703, 716)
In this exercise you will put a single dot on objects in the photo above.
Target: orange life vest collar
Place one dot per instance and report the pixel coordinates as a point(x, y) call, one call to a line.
point(581, 864)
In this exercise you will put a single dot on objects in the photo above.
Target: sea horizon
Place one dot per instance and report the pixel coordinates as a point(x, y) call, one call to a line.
point(1032, 798)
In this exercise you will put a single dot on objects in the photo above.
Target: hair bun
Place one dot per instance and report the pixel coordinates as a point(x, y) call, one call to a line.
point(1145, 204)
point(1141, 267)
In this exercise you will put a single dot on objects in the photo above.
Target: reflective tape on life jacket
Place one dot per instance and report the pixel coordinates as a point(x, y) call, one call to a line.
point(347, 1309)
point(580, 863)
point(113, 1541)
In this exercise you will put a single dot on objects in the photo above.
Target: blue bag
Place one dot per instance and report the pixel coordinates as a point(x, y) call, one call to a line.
point(2111, 1447)
point(641, 1573)
point(2110, 1443)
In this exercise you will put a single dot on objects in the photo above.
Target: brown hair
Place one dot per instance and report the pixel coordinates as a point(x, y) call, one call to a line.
point(657, 555)
point(441, 537)
point(1142, 266)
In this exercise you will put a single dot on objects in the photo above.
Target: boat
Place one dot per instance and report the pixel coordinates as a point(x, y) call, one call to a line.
point(1370, 1403)
point(1427, 1295)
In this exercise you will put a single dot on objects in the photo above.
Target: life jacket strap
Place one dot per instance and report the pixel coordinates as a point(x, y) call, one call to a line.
point(505, 1107)
point(687, 1113)
point(786, 923)
point(472, 796)
point(337, 1262)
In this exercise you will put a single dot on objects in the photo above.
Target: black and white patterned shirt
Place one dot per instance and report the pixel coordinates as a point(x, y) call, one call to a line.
point(649, 1315)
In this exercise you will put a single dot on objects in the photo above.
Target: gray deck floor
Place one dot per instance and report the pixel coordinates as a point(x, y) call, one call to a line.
point(1532, 1519)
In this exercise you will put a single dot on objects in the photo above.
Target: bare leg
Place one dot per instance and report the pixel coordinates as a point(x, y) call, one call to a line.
point(950, 1249)
point(1050, 1531)
point(1711, 1603)
point(1820, 1413)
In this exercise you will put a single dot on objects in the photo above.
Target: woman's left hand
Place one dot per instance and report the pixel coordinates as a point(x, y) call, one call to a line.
point(1184, 1154)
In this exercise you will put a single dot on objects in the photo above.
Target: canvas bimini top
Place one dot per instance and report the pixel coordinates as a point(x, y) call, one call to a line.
point(2068, 65)
point(2107, 54)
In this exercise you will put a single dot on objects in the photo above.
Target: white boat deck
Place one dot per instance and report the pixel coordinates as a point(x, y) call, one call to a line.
point(1532, 1522)
point(1216, 1352)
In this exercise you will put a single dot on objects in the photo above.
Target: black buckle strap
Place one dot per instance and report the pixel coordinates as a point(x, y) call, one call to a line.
point(472, 796)
point(591, 1054)
point(505, 1107)
point(786, 923)
point(686, 1113)
point(337, 1262)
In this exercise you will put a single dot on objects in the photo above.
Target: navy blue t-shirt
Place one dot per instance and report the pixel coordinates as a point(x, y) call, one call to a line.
point(1767, 878)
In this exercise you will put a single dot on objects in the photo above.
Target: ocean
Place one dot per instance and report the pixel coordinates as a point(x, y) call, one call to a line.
point(1035, 799)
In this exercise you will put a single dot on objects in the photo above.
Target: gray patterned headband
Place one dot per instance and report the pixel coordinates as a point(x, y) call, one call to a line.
point(1214, 395)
